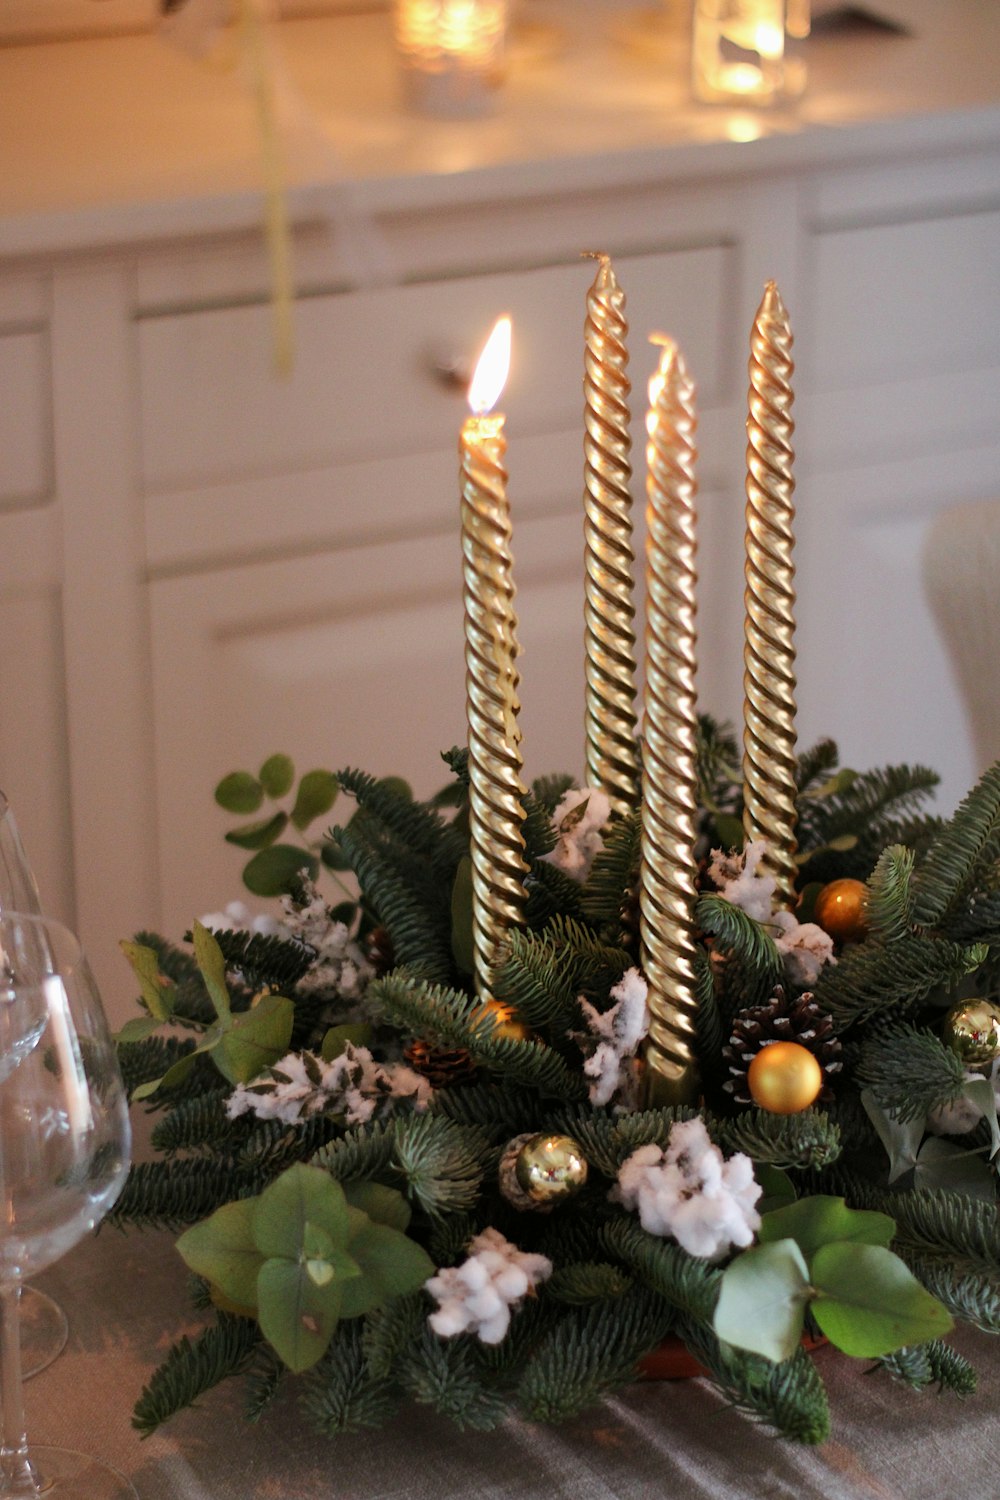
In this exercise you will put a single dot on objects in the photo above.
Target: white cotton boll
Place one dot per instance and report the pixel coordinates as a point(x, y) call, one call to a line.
point(450, 1319)
point(266, 926)
point(474, 1275)
point(495, 1330)
point(486, 1304)
point(804, 946)
point(690, 1192)
point(512, 1282)
point(604, 1067)
point(578, 819)
point(737, 878)
point(631, 1018)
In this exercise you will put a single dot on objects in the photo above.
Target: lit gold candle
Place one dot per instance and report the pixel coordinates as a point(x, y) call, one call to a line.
point(769, 759)
point(669, 778)
point(495, 789)
point(612, 751)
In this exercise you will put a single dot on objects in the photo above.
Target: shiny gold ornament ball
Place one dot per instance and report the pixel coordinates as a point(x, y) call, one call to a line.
point(550, 1168)
point(842, 910)
point(506, 1022)
point(972, 1031)
point(784, 1078)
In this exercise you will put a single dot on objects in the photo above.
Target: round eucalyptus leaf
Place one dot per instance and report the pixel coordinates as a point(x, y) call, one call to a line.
point(277, 774)
point(259, 835)
point(316, 795)
point(239, 792)
point(272, 872)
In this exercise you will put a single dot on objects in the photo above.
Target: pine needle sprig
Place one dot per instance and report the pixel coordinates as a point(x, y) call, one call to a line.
point(807, 1140)
point(935, 1363)
point(274, 1145)
point(363, 1151)
point(442, 1164)
point(421, 938)
point(870, 801)
point(263, 1382)
point(690, 1285)
point(874, 978)
point(548, 791)
point(717, 764)
point(340, 1393)
point(499, 1109)
point(890, 898)
point(613, 875)
point(198, 1124)
point(952, 860)
point(816, 764)
point(174, 1193)
point(590, 1351)
point(910, 1071)
point(968, 1292)
point(551, 893)
point(390, 1329)
point(584, 1282)
point(191, 1369)
point(946, 1224)
point(265, 961)
point(141, 1062)
point(540, 837)
point(541, 974)
point(739, 936)
point(415, 825)
point(789, 1396)
point(448, 1374)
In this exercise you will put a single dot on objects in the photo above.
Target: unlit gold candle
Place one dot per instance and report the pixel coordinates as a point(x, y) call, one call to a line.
point(769, 759)
point(669, 777)
point(612, 751)
point(495, 791)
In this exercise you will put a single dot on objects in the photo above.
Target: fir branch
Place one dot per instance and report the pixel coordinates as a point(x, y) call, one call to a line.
point(191, 1369)
point(442, 1163)
point(551, 893)
point(448, 1375)
point(265, 962)
point(169, 1194)
point(710, 1022)
point(788, 1396)
point(933, 1363)
point(689, 1284)
point(612, 876)
point(933, 1223)
point(607, 1140)
point(820, 761)
point(417, 827)
point(541, 974)
point(340, 1394)
point(198, 1124)
point(264, 1380)
point(890, 899)
point(540, 837)
point(499, 1108)
point(583, 1282)
point(389, 1330)
point(274, 1145)
point(952, 859)
point(873, 800)
point(446, 1017)
point(967, 1291)
point(717, 764)
point(590, 1351)
point(141, 1062)
point(809, 1139)
point(421, 937)
point(548, 791)
point(910, 1071)
point(975, 920)
point(448, 1237)
point(739, 936)
point(362, 1152)
point(872, 977)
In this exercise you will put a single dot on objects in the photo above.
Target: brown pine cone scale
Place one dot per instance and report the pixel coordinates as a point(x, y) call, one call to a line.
point(798, 1019)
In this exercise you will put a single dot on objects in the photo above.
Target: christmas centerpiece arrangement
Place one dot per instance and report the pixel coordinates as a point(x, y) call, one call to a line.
point(701, 1050)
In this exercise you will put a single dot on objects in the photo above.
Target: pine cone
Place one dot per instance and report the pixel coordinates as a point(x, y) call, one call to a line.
point(781, 1020)
point(441, 1067)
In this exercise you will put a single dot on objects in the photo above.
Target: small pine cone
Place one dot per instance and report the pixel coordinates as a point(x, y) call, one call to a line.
point(379, 951)
point(442, 1068)
point(781, 1020)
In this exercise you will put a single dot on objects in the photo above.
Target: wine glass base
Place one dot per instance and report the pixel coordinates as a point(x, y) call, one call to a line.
point(66, 1475)
point(44, 1331)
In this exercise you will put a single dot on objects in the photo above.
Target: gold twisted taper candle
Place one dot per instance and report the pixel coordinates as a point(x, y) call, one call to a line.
point(612, 751)
point(769, 759)
point(496, 812)
point(669, 777)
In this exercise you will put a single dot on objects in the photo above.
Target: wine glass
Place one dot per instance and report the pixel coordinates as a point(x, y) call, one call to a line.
point(64, 1153)
point(44, 1329)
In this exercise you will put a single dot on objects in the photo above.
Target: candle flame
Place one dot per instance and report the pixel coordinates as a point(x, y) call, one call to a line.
point(491, 371)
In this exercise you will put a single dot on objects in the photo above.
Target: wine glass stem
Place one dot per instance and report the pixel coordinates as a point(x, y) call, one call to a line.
point(18, 1480)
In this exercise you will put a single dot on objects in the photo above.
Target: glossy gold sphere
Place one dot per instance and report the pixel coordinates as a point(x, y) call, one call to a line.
point(506, 1022)
point(842, 910)
point(972, 1031)
point(784, 1078)
point(550, 1168)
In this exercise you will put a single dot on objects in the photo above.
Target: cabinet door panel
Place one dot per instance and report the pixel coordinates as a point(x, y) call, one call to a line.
point(25, 423)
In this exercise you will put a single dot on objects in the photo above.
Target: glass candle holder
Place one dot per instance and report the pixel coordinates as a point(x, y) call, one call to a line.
point(452, 54)
point(749, 51)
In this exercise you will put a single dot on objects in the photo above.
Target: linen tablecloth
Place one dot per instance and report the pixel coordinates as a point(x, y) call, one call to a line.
point(125, 1296)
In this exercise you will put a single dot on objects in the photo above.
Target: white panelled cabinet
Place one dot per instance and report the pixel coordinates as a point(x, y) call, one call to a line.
point(202, 563)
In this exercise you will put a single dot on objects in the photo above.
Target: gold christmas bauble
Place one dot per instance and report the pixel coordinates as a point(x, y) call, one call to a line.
point(550, 1168)
point(784, 1078)
point(506, 1022)
point(842, 910)
point(972, 1030)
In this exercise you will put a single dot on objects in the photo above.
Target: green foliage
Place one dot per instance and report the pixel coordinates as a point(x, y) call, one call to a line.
point(264, 960)
point(614, 874)
point(341, 1393)
point(807, 1140)
point(788, 1396)
point(191, 1369)
point(909, 1070)
point(687, 1284)
point(198, 1124)
point(583, 1282)
point(934, 1363)
point(451, 1376)
point(275, 868)
point(873, 978)
point(170, 1194)
point(953, 858)
point(890, 898)
point(542, 974)
point(740, 937)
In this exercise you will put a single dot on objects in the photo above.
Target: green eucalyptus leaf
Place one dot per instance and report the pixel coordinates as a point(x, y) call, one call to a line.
point(730, 831)
point(462, 950)
point(273, 871)
point(947, 1167)
point(259, 835)
point(277, 774)
point(779, 1190)
point(762, 1300)
point(255, 1039)
point(175, 1074)
point(868, 1303)
point(301, 1196)
point(239, 792)
point(383, 1205)
point(840, 781)
point(391, 1266)
point(221, 1249)
point(316, 795)
point(212, 965)
point(333, 856)
point(137, 1029)
point(980, 1092)
point(820, 1220)
point(156, 989)
point(901, 1141)
point(398, 785)
point(358, 1033)
point(296, 1316)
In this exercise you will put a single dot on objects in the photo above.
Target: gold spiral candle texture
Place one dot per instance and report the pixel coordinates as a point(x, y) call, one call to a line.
point(612, 752)
point(669, 779)
point(769, 759)
point(495, 789)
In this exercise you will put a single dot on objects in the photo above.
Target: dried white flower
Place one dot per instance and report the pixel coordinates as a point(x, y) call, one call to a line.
point(237, 917)
point(353, 1086)
point(690, 1191)
point(340, 968)
point(804, 947)
point(479, 1295)
point(578, 820)
point(618, 1030)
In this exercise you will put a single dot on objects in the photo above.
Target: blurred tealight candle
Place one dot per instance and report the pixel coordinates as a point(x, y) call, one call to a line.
point(749, 51)
point(452, 54)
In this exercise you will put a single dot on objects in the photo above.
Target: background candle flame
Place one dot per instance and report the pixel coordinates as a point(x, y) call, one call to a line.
point(491, 371)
